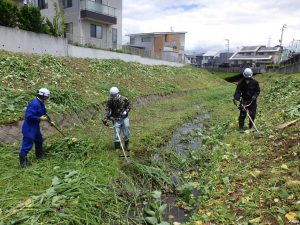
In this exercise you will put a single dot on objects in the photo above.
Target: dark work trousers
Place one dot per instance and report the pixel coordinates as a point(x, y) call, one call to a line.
point(243, 114)
point(27, 144)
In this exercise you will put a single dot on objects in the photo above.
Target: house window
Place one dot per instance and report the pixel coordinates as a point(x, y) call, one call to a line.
point(68, 31)
point(132, 41)
point(96, 31)
point(69, 28)
point(114, 35)
point(67, 3)
point(146, 39)
point(43, 4)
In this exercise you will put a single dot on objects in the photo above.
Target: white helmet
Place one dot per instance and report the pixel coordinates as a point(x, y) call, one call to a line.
point(44, 92)
point(113, 92)
point(247, 73)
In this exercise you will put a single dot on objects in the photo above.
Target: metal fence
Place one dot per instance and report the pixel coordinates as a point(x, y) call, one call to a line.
point(291, 65)
point(233, 69)
point(287, 69)
point(91, 42)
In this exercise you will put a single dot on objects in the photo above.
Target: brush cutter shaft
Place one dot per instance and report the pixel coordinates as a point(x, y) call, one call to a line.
point(247, 111)
point(53, 125)
point(121, 143)
point(244, 108)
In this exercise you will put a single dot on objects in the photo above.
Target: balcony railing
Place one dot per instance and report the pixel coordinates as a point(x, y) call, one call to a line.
point(97, 8)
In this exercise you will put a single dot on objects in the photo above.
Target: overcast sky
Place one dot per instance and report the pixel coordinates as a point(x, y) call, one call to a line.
point(209, 22)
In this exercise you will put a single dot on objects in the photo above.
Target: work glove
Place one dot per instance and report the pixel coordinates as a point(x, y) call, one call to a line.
point(105, 122)
point(52, 124)
point(124, 114)
point(242, 108)
point(43, 118)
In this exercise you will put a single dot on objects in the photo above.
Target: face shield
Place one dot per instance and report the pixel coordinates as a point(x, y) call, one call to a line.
point(114, 96)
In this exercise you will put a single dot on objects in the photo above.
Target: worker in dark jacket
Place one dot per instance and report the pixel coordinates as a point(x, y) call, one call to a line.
point(117, 109)
point(246, 93)
point(35, 112)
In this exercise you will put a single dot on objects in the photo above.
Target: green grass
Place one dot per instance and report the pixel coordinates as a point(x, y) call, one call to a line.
point(78, 83)
point(241, 179)
point(94, 158)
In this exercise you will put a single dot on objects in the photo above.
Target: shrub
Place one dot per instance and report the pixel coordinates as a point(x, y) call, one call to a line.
point(30, 19)
point(8, 13)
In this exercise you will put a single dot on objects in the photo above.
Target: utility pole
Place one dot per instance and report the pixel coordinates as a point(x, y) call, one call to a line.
point(227, 45)
point(269, 41)
point(282, 29)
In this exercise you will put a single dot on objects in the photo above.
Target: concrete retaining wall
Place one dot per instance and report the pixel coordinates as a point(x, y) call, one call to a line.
point(16, 40)
point(80, 52)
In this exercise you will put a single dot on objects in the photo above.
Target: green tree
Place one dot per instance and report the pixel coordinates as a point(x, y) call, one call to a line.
point(30, 19)
point(8, 13)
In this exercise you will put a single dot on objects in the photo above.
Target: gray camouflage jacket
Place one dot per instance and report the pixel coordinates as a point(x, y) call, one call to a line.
point(115, 107)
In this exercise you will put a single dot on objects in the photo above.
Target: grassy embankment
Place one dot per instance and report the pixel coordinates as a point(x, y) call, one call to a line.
point(243, 179)
point(240, 178)
point(81, 181)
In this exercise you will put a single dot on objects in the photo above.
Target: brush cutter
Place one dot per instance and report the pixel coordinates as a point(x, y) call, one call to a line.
point(53, 125)
point(105, 123)
point(244, 107)
point(120, 143)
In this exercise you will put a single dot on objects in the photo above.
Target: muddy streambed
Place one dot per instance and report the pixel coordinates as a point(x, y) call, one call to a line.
point(185, 139)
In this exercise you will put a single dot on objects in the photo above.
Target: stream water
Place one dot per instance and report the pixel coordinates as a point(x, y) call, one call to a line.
point(185, 139)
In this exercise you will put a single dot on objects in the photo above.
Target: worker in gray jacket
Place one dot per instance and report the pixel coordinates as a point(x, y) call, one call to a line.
point(117, 109)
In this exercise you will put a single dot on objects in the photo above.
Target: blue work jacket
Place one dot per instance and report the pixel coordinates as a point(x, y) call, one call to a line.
point(31, 126)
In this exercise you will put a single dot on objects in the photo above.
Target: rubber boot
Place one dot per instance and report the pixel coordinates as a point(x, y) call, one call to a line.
point(117, 146)
point(250, 125)
point(39, 153)
point(23, 161)
point(241, 127)
point(127, 146)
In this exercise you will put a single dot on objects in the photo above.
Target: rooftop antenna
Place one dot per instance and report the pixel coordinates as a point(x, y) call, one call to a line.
point(171, 28)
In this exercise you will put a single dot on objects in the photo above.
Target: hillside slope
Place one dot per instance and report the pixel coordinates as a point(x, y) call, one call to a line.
point(77, 83)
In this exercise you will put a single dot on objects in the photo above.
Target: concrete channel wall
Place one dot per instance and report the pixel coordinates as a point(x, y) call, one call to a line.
point(11, 133)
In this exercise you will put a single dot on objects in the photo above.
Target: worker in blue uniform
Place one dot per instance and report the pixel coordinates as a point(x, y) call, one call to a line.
point(35, 112)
